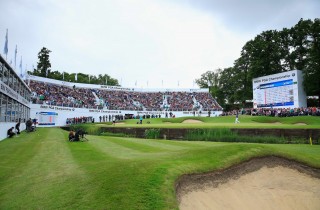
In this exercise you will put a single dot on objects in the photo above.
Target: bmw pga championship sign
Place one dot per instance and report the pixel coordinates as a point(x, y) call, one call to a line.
point(283, 90)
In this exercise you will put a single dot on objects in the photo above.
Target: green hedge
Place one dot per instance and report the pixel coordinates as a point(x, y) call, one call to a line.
point(226, 135)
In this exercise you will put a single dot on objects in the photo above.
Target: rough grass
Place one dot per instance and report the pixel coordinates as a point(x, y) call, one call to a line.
point(41, 170)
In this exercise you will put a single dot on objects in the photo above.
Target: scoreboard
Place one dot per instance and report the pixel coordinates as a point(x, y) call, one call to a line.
point(47, 118)
point(283, 90)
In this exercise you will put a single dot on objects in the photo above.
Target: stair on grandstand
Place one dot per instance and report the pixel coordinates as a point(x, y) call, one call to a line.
point(98, 102)
point(138, 105)
point(196, 104)
point(165, 104)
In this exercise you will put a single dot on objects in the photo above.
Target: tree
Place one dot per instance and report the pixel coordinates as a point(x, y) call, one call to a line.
point(270, 52)
point(312, 70)
point(44, 65)
point(207, 79)
point(210, 80)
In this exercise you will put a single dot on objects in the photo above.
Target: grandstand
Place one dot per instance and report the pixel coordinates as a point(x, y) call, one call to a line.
point(14, 99)
point(112, 98)
point(89, 100)
point(52, 102)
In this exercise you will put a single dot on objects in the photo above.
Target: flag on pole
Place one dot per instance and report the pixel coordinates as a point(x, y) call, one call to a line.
point(25, 71)
point(20, 67)
point(76, 77)
point(15, 57)
point(5, 49)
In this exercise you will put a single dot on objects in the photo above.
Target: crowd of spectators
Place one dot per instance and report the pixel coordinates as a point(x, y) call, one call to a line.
point(117, 100)
point(277, 112)
point(110, 118)
point(59, 95)
point(79, 120)
point(180, 101)
point(207, 101)
point(151, 101)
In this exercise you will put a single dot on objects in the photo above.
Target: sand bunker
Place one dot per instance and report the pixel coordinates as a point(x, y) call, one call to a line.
point(264, 183)
point(192, 121)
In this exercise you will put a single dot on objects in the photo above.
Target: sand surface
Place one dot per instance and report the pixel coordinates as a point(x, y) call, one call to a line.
point(300, 124)
point(276, 187)
point(192, 121)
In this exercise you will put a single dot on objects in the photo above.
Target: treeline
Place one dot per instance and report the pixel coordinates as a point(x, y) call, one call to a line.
point(268, 53)
point(44, 70)
point(83, 78)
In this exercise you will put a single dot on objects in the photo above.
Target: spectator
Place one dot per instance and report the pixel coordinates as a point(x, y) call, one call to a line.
point(18, 126)
point(10, 132)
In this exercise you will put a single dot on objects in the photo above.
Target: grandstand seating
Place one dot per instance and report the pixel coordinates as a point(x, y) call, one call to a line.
point(59, 95)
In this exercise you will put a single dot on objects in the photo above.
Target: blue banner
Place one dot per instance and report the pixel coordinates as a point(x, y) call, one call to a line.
point(277, 84)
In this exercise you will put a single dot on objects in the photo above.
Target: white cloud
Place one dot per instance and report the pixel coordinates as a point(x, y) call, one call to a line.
point(129, 40)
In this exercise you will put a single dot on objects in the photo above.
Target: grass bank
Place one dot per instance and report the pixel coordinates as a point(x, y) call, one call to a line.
point(42, 170)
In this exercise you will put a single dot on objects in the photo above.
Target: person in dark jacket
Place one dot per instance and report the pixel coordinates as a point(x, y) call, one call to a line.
point(18, 126)
point(10, 132)
point(29, 125)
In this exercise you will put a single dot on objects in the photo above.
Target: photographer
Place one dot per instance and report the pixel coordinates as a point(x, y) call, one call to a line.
point(10, 132)
point(29, 125)
point(80, 135)
point(71, 135)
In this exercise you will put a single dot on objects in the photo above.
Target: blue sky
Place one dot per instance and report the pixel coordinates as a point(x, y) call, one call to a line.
point(143, 40)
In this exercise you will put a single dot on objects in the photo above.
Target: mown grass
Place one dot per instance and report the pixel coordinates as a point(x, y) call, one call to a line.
point(225, 122)
point(42, 170)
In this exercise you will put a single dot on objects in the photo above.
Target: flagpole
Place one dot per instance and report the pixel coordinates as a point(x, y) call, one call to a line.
point(25, 71)
point(5, 50)
point(15, 57)
point(21, 67)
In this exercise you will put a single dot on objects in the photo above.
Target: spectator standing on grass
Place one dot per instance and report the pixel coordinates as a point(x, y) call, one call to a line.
point(237, 118)
point(141, 118)
point(18, 126)
point(113, 120)
point(35, 123)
